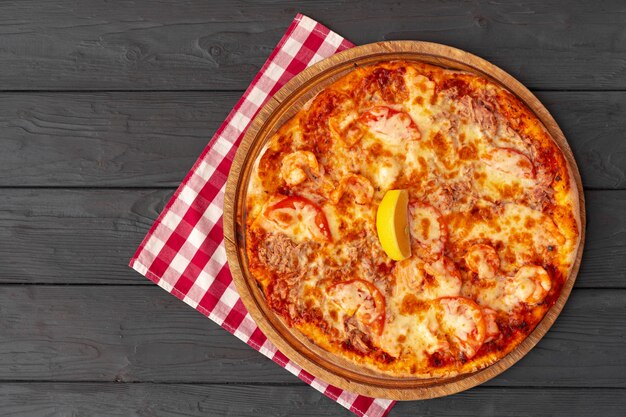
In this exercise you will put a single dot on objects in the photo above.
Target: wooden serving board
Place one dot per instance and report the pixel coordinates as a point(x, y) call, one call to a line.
point(276, 112)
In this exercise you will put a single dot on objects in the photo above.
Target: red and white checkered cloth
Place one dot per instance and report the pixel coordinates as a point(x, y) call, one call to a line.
point(184, 251)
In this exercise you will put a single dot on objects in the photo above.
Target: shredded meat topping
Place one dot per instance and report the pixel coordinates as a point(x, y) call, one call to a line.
point(480, 112)
point(358, 339)
point(287, 259)
point(367, 258)
point(281, 254)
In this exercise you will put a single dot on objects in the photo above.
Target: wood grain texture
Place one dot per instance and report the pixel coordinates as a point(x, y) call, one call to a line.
point(75, 236)
point(70, 236)
point(105, 139)
point(152, 139)
point(595, 127)
point(140, 400)
point(83, 138)
point(121, 334)
point(130, 334)
point(195, 44)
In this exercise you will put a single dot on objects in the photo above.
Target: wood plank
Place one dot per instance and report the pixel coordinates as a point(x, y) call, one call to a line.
point(152, 139)
point(106, 139)
point(130, 334)
point(221, 44)
point(121, 334)
point(128, 400)
point(70, 236)
point(75, 236)
point(594, 126)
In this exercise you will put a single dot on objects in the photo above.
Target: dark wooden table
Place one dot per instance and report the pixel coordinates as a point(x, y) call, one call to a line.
point(104, 106)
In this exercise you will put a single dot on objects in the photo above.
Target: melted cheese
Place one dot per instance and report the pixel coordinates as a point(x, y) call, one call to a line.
point(525, 233)
point(386, 173)
point(426, 281)
point(529, 285)
point(412, 335)
point(463, 321)
point(391, 126)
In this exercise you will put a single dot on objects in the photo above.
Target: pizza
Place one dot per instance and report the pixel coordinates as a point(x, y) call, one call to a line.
point(492, 212)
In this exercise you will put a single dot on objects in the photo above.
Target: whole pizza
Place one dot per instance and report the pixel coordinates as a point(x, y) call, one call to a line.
point(411, 219)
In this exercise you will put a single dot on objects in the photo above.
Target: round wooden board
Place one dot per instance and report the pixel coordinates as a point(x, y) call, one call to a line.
point(287, 101)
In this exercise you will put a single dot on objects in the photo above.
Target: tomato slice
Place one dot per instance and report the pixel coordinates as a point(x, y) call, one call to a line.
point(511, 162)
point(362, 300)
point(389, 125)
point(289, 212)
point(462, 320)
point(428, 231)
point(483, 260)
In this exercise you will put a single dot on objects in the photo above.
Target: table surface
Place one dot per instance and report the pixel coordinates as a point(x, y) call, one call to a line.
point(105, 106)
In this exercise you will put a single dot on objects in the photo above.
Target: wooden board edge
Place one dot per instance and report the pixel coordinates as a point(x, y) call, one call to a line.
point(374, 52)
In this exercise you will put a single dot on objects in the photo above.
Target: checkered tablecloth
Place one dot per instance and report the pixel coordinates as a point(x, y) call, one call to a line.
point(184, 251)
